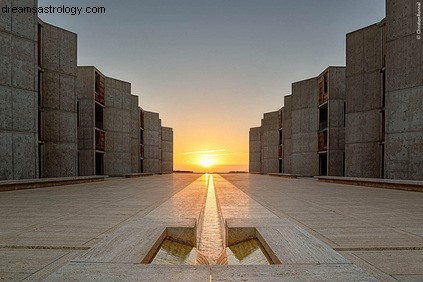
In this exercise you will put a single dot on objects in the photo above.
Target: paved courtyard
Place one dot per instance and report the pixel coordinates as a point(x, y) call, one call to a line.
point(103, 230)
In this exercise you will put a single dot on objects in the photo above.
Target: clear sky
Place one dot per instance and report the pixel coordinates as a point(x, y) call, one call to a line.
point(211, 68)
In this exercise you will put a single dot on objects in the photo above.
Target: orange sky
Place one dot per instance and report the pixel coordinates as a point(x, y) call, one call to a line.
point(205, 149)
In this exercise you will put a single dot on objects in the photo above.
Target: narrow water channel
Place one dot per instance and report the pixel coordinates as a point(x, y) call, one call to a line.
point(210, 247)
point(211, 242)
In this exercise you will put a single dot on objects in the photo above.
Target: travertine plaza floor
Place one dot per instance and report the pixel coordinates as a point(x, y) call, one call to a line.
point(76, 231)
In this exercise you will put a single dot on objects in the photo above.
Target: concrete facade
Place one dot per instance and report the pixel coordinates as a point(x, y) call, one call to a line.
point(287, 135)
point(167, 150)
point(18, 93)
point(117, 125)
point(57, 103)
point(404, 93)
point(135, 132)
point(255, 150)
point(152, 142)
point(332, 121)
point(88, 127)
point(307, 136)
point(60, 120)
point(305, 159)
point(363, 136)
point(270, 142)
point(384, 85)
point(264, 145)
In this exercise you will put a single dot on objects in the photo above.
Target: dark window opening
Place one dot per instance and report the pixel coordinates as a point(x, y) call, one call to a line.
point(323, 117)
point(325, 83)
point(280, 166)
point(383, 88)
point(142, 136)
point(141, 165)
point(323, 164)
point(97, 82)
point(345, 113)
point(77, 114)
point(280, 137)
point(99, 116)
point(99, 165)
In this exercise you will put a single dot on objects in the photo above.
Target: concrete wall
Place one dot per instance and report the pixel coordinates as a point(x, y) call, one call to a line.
point(135, 134)
point(167, 150)
point(336, 125)
point(255, 150)
point(287, 134)
point(305, 160)
point(152, 142)
point(18, 93)
point(85, 85)
point(269, 142)
point(59, 151)
point(117, 124)
point(364, 101)
point(404, 92)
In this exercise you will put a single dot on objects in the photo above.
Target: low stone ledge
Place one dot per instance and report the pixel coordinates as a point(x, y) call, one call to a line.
point(284, 175)
point(135, 175)
point(407, 185)
point(22, 184)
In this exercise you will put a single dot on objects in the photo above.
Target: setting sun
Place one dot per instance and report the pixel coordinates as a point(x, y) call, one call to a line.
point(206, 161)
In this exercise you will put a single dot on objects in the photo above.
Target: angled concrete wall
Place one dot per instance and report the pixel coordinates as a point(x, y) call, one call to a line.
point(305, 160)
point(363, 103)
point(287, 134)
point(152, 142)
point(270, 142)
point(59, 150)
point(167, 150)
point(135, 134)
point(117, 124)
point(336, 124)
point(18, 93)
point(255, 150)
point(85, 90)
point(404, 92)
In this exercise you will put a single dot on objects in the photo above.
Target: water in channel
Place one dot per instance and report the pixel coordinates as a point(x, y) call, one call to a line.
point(211, 246)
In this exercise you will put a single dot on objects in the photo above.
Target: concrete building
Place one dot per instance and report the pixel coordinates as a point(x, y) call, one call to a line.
point(306, 136)
point(167, 150)
point(38, 105)
point(331, 117)
point(19, 139)
point(255, 150)
point(304, 156)
point(91, 131)
point(152, 136)
point(58, 149)
point(384, 85)
point(265, 145)
point(287, 135)
point(118, 123)
point(60, 120)
point(270, 142)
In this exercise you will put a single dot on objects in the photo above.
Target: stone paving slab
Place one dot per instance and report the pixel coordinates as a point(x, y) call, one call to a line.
point(129, 272)
point(294, 273)
point(347, 216)
point(136, 241)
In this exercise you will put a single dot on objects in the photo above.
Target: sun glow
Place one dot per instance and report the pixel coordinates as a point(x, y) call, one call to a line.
point(206, 161)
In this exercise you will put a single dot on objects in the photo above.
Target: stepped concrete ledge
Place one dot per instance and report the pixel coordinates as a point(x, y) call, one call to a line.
point(408, 185)
point(284, 175)
point(22, 184)
point(135, 175)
